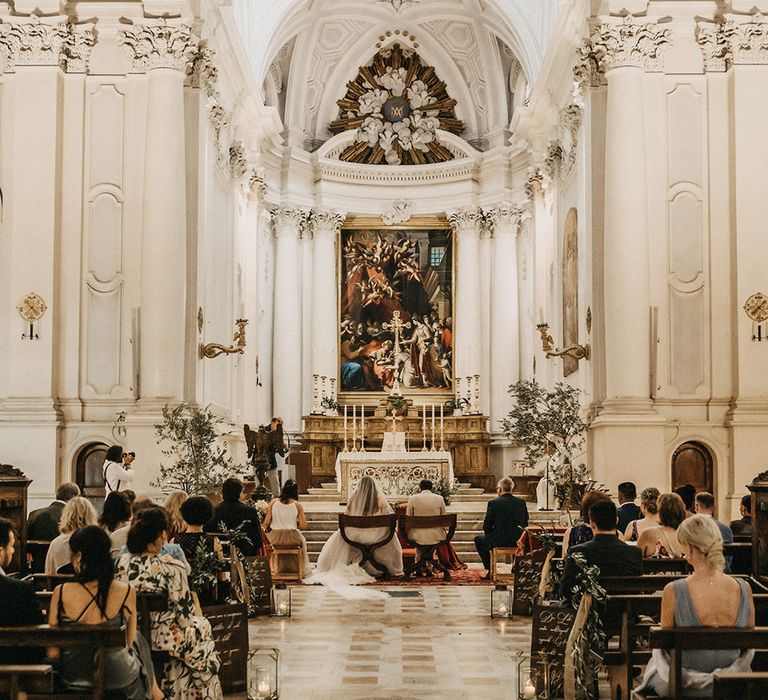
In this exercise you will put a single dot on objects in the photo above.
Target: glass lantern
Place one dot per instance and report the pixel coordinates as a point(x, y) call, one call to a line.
point(533, 676)
point(264, 674)
point(501, 602)
point(280, 601)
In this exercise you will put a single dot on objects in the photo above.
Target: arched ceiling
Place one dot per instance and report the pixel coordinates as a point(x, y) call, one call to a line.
point(305, 52)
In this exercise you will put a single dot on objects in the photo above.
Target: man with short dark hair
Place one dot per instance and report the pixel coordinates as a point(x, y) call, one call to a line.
point(628, 510)
point(705, 505)
point(743, 526)
point(43, 523)
point(233, 512)
point(19, 605)
point(605, 550)
point(423, 504)
point(505, 519)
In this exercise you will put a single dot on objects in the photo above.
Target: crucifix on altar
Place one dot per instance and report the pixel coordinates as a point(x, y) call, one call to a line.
point(396, 326)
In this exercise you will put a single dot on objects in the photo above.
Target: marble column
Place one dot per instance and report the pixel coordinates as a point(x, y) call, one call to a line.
point(325, 323)
point(505, 322)
point(286, 341)
point(467, 326)
point(630, 49)
point(162, 51)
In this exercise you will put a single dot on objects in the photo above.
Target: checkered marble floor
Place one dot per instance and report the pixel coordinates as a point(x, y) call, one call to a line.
point(441, 644)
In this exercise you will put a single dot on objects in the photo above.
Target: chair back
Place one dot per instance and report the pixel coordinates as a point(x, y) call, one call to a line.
point(425, 522)
point(367, 522)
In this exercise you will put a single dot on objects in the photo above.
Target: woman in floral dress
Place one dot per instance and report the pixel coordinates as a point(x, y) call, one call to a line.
point(182, 631)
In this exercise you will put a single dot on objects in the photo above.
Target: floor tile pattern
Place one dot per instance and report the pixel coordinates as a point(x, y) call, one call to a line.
point(439, 644)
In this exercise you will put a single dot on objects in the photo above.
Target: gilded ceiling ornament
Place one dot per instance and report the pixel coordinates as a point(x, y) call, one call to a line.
point(32, 307)
point(398, 5)
point(396, 104)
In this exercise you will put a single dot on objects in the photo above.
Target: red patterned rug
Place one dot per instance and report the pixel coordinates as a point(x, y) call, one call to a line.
point(465, 577)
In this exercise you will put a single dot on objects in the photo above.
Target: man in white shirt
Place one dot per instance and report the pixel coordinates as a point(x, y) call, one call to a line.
point(425, 503)
point(117, 469)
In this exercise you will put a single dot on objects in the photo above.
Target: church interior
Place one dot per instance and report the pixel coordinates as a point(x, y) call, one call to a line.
point(464, 243)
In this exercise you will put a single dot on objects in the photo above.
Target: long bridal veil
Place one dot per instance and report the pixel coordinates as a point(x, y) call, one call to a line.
point(338, 565)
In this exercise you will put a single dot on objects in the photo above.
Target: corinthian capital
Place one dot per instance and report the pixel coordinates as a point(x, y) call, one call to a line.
point(503, 217)
point(76, 50)
point(289, 221)
point(467, 222)
point(747, 41)
point(325, 223)
point(31, 43)
point(202, 71)
point(158, 46)
point(630, 44)
point(714, 45)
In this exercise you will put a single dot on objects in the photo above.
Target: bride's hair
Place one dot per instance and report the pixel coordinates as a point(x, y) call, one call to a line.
point(366, 498)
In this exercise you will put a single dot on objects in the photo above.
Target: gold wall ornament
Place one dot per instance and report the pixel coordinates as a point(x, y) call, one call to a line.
point(396, 104)
point(31, 309)
point(756, 308)
point(211, 350)
point(200, 319)
point(576, 351)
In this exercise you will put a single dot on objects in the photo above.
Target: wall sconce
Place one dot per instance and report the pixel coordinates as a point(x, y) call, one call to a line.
point(756, 308)
point(211, 350)
point(31, 309)
point(577, 352)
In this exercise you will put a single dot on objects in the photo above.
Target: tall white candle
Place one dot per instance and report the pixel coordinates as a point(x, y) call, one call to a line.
point(362, 420)
point(433, 419)
point(442, 425)
point(345, 427)
point(424, 419)
point(354, 428)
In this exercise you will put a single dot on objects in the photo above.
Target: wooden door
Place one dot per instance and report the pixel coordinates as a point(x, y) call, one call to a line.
point(692, 464)
point(89, 475)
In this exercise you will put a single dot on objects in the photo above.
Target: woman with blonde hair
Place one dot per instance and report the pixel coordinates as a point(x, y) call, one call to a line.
point(172, 506)
point(77, 514)
point(649, 507)
point(706, 598)
point(661, 540)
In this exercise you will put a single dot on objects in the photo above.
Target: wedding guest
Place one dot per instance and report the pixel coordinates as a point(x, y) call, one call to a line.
point(197, 511)
point(650, 511)
point(140, 507)
point(181, 630)
point(116, 512)
point(661, 540)
point(705, 505)
point(628, 510)
point(77, 514)
point(743, 526)
point(95, 598)
point(19, 604)
point(505, 519)
point(285, 515)
point(688, 494)
point(708, 597)
point(605, 550)
point(172, 507)
point(232, 512)
point(117, 474)
point(581, 533)
point(43, 523)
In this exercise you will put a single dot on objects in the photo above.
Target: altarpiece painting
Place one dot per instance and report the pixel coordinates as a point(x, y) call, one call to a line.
point(387, 270)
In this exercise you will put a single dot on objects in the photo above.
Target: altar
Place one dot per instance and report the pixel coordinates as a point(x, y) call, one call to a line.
point(397, 473)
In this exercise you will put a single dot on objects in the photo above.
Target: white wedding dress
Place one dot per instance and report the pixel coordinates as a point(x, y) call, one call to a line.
point(338, 565)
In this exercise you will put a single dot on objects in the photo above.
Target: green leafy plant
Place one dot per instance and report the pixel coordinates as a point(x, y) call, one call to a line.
point(205, 567)
point(200, 462)
point(236, 535)
point(397, 403)
point(549, 426)
point(447, 489)
point(329, 403)
point(456, 404)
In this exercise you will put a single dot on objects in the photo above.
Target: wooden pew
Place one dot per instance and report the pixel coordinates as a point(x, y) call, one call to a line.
point(620, 661)
point(679, 639)
point(741, 686)
point(96, 636)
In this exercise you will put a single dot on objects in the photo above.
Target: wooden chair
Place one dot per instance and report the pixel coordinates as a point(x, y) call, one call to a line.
point(369, 522)
point(678, 639)
point(503, 555)
point(78, 635)
point(426, 552)
point(291, 552)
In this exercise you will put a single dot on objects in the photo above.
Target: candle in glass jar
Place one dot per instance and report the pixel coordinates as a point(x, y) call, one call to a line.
point(529, 690)
point(264, 689)
point(503, 609)
point(282, 608)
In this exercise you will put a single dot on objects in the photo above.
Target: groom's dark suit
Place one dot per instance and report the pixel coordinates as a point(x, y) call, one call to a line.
point(505, 519)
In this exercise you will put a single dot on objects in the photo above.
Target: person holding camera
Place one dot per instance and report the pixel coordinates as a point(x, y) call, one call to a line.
point(118, 469)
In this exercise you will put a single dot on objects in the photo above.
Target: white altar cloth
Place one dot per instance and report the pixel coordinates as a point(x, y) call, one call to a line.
point(397, 473)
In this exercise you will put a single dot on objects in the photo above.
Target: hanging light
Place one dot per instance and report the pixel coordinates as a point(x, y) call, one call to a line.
point(264, 674)
point(280, 601)
point(501, 602)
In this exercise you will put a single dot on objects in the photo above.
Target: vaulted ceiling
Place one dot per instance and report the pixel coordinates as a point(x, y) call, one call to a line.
point(305, 52)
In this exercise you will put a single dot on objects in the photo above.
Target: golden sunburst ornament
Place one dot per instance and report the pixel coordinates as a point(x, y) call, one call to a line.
point(396, 104)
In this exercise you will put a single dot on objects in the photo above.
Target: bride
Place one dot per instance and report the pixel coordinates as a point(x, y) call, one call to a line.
point(339, 563)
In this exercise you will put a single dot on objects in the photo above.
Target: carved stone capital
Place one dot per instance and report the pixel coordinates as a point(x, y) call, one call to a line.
point(503, 218)
point(714, 46)
point(76, 50)
point(748, 41)
point(202, 71)
point(289, 221)
point(257, 183)
point(31, 43)
point(158, 46)
point(630, 44)
point(238, 160)
point(325, 223)
point(467, 222)
point(218, 118)
point(534, 184)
